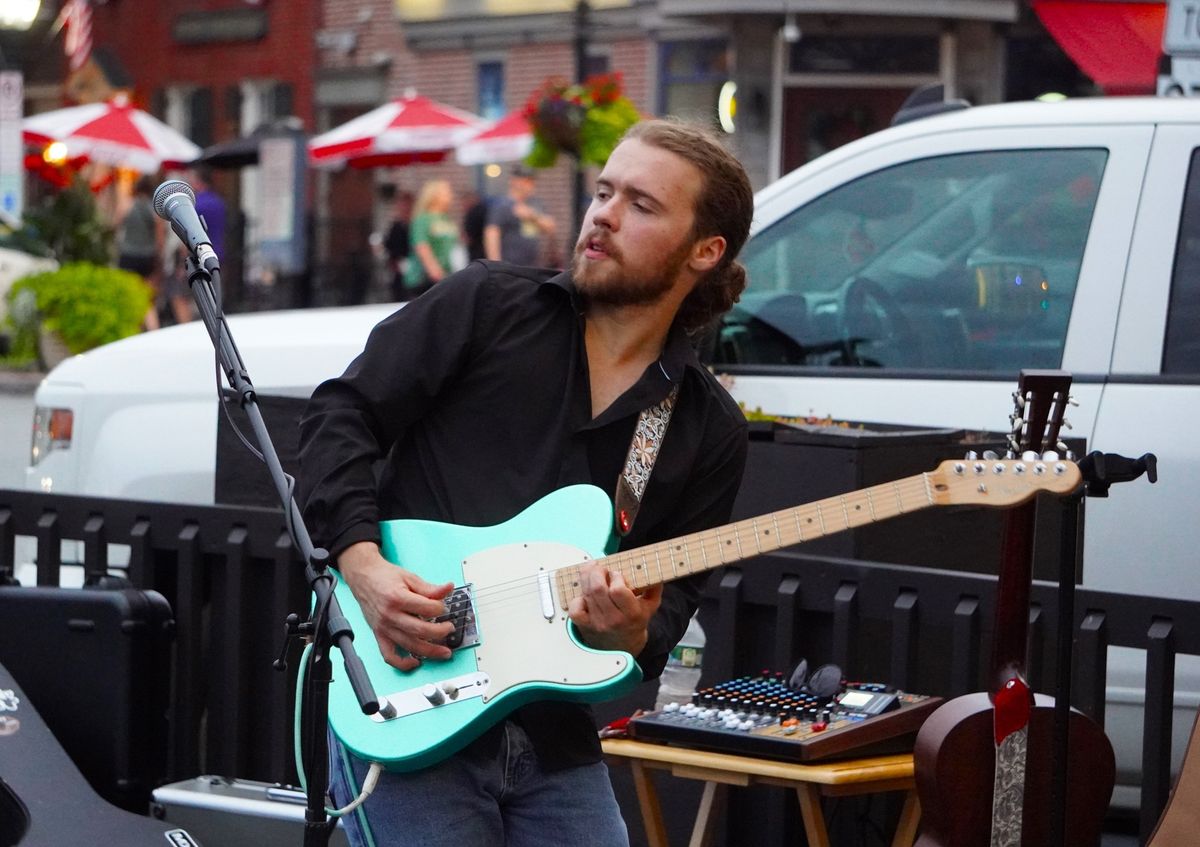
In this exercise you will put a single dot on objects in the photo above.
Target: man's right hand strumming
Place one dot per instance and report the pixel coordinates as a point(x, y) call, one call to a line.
point(398, 606)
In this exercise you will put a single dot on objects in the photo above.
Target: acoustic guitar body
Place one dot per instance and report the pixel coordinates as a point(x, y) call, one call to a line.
point(955, 757)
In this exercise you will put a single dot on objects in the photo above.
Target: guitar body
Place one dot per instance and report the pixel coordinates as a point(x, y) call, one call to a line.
point(955, 767)
point(526, 648)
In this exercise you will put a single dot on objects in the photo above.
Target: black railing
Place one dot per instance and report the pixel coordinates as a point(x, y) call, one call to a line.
point(232, 576)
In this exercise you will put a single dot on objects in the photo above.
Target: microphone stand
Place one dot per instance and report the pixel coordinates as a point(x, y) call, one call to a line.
point(326, 626)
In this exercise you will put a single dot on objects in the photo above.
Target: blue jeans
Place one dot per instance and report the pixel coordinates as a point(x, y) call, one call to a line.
point(470, 800)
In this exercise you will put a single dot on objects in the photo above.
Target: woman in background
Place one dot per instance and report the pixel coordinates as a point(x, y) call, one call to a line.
point(434, 237)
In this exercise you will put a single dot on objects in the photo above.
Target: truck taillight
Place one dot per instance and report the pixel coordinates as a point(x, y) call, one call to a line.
point(51, 431)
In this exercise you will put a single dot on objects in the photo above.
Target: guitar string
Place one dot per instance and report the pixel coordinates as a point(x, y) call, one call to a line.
point(520, 589)
point(527, 585)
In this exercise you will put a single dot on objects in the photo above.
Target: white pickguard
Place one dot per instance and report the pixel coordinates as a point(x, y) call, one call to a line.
point(519, 645)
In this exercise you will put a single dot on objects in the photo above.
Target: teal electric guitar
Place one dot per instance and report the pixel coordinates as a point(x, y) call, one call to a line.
point(513, 642)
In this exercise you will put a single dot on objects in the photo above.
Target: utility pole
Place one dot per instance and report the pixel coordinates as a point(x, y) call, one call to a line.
point(581, 46)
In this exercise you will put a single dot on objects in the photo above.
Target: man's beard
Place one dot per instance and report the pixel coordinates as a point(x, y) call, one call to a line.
point(614, 283)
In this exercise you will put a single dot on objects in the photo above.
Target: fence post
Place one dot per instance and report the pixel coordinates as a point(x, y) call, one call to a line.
point(964, 663)
point(905, 625)
point(1156, 730)
point(1091, 661)
point(49, 550)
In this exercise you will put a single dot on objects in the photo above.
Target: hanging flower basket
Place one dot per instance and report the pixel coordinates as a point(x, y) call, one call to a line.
point(585, 121)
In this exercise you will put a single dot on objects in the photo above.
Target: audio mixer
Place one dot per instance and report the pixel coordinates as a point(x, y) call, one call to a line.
point(763, 716)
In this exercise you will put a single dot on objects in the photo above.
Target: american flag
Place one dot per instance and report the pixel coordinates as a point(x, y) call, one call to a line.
point(76, 17)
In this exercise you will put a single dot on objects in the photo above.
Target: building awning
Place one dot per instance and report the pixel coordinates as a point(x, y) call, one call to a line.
point(1116, 44)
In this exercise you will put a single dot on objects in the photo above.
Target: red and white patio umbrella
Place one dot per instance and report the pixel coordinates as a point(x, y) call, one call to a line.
point(507, 140)
point(406, 130)
point(114, 133)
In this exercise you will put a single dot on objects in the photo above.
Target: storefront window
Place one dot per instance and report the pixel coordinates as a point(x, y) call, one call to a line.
point(491, 90)
point(822, 54)
point(690, 78)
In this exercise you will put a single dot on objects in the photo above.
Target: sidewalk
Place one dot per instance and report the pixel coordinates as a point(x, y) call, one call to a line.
point(13, 381)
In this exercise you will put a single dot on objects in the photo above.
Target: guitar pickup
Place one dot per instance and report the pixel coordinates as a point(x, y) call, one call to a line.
point(460, 610)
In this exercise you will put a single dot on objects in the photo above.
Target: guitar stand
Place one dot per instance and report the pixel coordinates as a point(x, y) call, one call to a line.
point(1100, 472)
point(326, 625)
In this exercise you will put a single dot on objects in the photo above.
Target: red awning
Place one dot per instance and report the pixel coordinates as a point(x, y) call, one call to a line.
point(1116, 44)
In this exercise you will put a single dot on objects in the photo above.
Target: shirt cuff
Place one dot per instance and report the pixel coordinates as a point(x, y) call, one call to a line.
point(354, 534)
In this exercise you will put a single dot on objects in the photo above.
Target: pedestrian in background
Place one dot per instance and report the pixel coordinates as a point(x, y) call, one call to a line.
point(211, 209)
point(516, 223)
point(397, 243)
point(474, 221)
point(433, 238)
point(140, 241)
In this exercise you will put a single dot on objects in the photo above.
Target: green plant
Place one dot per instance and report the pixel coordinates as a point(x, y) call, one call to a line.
point(86, 304)
point(70, 225)
point(584, 120)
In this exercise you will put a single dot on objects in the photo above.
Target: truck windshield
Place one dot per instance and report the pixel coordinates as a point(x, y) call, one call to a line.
point(968, 261)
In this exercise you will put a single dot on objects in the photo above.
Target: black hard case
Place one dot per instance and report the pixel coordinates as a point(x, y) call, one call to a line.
point(98, 663)
point(44, 799)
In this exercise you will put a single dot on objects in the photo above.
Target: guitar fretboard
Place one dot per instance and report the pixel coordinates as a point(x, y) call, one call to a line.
point(702, 551)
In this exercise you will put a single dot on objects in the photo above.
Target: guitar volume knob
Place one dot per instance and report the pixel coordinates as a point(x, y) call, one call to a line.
point(433, 694)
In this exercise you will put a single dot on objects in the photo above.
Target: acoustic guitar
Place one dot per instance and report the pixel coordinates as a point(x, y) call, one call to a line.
point(513, 641)
point(984, 763)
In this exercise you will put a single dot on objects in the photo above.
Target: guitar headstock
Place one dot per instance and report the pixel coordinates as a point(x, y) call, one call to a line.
point(1039, 413)
point(1000, 483)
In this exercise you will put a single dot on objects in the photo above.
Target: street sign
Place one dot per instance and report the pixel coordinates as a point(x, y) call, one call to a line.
point(12, 158)
point(1181, 35)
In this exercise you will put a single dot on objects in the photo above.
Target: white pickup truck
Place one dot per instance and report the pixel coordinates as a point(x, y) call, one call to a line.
point(903, 278)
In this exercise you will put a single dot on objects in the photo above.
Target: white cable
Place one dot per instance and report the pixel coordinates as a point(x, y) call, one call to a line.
point(368, 787)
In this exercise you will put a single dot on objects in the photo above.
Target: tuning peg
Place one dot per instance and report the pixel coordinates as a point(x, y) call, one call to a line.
point(1050, 456)
point(1071, 401)
point(971, 456)
point(990, 455)
point(1067, 424)
point(1029, 456)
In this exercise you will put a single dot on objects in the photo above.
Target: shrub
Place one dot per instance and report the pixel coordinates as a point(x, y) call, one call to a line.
point(87, 305)
point(70, 225)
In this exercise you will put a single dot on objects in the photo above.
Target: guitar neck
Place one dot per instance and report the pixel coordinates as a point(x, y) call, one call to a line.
point(698, 552)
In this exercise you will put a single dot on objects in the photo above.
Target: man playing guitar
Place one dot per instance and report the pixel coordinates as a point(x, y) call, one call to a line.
point(496, 388)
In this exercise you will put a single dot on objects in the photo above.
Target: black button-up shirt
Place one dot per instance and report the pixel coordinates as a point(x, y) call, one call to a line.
point(475, 399)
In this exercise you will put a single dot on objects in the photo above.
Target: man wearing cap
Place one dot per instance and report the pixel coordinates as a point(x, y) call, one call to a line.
point(515, 223)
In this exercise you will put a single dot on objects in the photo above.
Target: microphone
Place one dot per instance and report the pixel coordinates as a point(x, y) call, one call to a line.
point(175, 203)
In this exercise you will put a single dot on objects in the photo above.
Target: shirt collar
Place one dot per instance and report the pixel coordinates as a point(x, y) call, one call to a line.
point(678, 351)
point(656, 381)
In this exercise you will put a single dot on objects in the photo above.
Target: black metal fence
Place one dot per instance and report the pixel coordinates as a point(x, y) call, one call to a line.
point(232, 576)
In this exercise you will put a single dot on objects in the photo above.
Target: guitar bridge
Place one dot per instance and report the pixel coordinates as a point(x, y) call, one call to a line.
point(460, 610)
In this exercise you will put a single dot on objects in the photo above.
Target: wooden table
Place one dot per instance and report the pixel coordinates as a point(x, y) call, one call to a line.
point(811, 782)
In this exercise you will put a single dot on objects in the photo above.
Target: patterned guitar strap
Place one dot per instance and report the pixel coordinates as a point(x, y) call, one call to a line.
point(643, 452)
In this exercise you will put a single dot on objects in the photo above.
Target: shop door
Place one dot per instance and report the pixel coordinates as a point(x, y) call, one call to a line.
point(816, 120)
